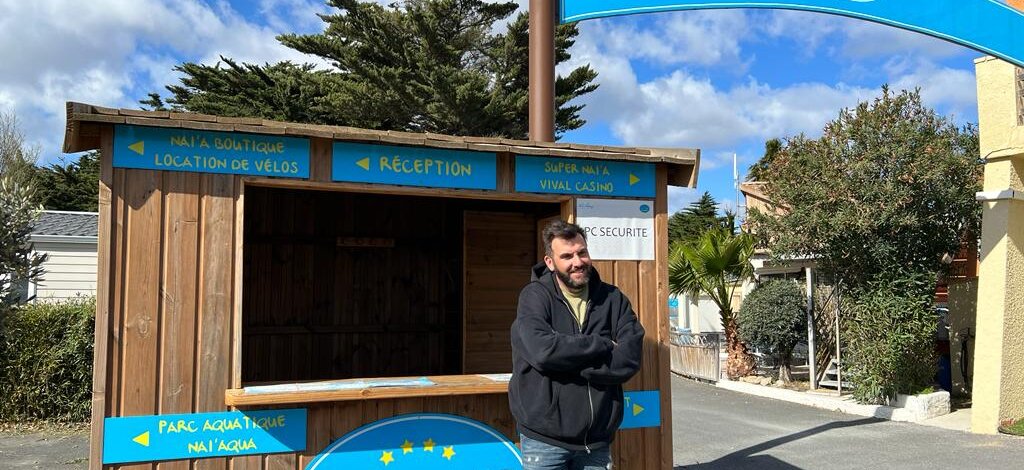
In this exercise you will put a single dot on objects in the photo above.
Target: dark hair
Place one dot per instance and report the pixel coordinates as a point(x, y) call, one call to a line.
point(560, 229)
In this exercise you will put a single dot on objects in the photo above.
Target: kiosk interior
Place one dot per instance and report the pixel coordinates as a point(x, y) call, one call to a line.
point(271, 295)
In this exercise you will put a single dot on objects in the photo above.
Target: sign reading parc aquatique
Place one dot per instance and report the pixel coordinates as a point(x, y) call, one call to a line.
point(989, 26)
point(202, 435)
point(163, 148)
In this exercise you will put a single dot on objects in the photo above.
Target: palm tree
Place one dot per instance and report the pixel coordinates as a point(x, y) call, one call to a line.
point(714, 264)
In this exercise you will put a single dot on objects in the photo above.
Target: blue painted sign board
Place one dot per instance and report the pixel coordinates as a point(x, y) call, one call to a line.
point(641, 409)
point(989, 26)
point(164, 148)
point(584, 176)
point(422, 441)
point(201, 435)
point(414, 166)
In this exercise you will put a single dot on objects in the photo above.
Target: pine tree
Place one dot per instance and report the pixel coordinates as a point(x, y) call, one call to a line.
point(422, 66)
point(688, 224)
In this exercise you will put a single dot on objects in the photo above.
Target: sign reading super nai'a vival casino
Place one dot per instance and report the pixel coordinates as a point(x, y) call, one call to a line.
point(989, 26)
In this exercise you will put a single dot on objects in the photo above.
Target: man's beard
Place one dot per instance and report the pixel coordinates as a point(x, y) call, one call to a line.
point(568, 280)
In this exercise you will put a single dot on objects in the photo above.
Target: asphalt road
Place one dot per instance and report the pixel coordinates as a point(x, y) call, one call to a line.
point(720, 429)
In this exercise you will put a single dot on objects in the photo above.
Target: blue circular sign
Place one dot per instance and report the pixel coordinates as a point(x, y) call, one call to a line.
point(645, 208)
point(421, 441)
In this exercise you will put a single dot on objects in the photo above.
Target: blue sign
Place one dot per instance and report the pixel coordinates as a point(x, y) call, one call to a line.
point(641, 410)
point(201, 435)
point(989, 26)
point(163, 148)
point(423, 442)
point(414, 166)
point(583, 176)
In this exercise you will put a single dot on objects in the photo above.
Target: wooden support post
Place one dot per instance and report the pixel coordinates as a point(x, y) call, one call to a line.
point(542, 70)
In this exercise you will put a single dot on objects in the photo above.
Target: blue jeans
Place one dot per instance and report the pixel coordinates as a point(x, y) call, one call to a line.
point(538, 455)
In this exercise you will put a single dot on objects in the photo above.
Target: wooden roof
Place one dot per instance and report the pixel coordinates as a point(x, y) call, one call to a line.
point(77, 140)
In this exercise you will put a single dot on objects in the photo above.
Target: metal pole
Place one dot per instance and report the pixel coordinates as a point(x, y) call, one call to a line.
point(839, 359)
point(542, 70)
point(812, 358)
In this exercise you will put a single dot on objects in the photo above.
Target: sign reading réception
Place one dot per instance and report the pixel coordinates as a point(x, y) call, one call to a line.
point(201, 435)
point(163, 148)
point(414, 166)
point(617, 229)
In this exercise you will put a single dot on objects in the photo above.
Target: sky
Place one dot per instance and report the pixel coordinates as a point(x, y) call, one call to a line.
point(722, 81)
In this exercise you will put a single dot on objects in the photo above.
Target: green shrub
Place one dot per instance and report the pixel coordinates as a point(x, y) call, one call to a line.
point(773, 318)
point(46, 361)
point(890, 330)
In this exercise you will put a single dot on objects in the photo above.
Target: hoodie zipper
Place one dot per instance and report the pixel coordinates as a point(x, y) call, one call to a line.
point(590, 396)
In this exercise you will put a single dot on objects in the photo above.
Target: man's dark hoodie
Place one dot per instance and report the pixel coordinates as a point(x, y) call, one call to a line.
point(566, 387)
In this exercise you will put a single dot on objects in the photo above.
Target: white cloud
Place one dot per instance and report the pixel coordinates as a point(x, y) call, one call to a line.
point(680, 198)
point(693, 37)
point(111, 52)
point(680, 109)
point(857, 39)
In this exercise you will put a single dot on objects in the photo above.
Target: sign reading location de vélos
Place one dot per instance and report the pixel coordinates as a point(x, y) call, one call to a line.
point(617, 229)
point(414, 166)
point(584, 176)
point(164, 148)
point(201, 435)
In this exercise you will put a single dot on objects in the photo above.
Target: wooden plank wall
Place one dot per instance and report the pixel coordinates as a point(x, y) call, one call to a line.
point(167, 292)
point(500, 249)
point(648, 448)
point(364, 311)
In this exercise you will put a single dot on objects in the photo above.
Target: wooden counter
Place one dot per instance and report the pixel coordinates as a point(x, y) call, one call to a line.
point(444, 385)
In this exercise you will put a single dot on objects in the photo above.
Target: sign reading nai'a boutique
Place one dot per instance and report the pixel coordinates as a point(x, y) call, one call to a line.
point(172, 149)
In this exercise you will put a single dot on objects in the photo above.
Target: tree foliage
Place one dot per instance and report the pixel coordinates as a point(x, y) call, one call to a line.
point(690, 223)
point(72, 186)
point(889, 184)
point(419, 65)
point(878, 200)
point(714, 264)
point(18, 209)
point(773, 318)
point(890, 329)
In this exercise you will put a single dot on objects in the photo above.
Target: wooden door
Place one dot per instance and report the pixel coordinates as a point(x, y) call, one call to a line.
point(500, 249)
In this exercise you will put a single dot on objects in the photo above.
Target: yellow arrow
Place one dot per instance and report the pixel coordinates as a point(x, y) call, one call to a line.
point(637, 409)
point(142, 439)
point(633, 179)
point(138, 147)
point(364, 163)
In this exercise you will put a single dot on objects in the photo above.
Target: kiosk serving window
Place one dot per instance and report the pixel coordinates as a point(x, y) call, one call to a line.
point(340, 285)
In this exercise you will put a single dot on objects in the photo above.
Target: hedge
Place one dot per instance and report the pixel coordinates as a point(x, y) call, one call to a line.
point(46, 354)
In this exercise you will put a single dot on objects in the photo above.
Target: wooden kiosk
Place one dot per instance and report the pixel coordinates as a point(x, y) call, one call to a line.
point(347, 274)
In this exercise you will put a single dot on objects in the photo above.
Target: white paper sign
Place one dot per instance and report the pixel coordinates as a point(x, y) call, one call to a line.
point(617, 229)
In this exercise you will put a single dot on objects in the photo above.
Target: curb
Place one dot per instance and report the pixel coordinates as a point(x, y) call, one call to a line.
point(842, 405)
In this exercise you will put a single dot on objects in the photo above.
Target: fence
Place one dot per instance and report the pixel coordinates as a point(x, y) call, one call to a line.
point(696, 355)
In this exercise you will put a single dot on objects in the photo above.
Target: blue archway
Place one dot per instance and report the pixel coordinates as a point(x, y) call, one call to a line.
point(989, 26)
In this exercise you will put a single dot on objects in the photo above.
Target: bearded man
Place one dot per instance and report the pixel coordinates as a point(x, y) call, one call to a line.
point(575, 341)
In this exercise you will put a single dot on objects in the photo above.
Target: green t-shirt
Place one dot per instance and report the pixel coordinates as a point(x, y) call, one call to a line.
point(577, 302)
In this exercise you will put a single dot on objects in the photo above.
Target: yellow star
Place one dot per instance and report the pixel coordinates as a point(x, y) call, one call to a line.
point(386, 458)
point(428, 445)
point(449, 452)
point(406, 447)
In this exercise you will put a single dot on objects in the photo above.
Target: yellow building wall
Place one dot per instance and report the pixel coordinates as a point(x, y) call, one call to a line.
point(999, 354)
